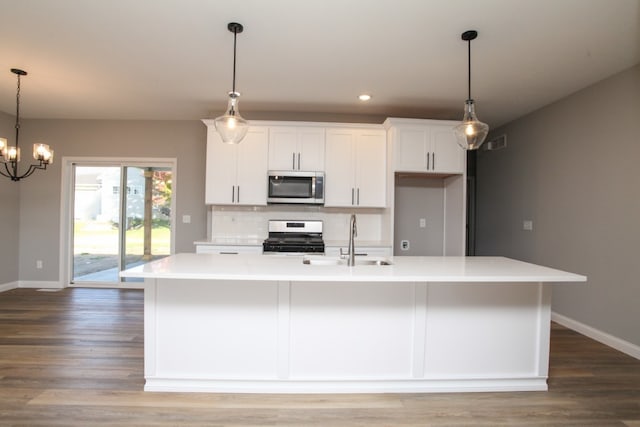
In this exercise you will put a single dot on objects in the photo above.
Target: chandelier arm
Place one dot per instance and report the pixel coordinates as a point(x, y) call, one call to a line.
point(28, 173)
point(8, 174)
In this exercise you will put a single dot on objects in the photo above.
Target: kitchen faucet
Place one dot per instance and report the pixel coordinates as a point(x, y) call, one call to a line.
point(353, 232)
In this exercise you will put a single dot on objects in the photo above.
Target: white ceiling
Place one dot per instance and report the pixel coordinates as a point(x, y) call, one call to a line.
point(172, 59)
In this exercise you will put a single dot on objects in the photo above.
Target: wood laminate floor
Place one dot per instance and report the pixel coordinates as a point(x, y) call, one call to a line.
point(75, 358)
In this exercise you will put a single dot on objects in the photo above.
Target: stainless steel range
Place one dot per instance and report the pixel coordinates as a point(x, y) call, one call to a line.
point(291, 236)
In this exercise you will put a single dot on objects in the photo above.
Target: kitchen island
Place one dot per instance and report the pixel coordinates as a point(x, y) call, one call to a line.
point(273, 324)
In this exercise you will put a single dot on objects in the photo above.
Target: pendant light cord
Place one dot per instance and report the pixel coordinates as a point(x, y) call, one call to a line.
point(235, 33)
point(469, 69)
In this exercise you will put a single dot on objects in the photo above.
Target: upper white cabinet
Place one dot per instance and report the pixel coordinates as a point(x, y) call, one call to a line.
point(425, 146)
point(296, 148)
point(236, 174)
point(355, 167)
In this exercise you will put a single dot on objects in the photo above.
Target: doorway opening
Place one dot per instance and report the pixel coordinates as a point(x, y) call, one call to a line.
point(121, 216)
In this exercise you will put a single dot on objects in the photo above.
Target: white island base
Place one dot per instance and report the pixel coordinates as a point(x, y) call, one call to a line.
point(338, 329)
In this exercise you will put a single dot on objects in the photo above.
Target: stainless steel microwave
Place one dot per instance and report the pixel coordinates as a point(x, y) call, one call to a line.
point(296, 187)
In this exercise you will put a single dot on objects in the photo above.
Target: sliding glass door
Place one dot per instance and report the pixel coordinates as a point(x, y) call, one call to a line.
point(121, 218)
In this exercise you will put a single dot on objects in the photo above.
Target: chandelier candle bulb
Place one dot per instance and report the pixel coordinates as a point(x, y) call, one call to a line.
point(43, 153)
point(12, 154)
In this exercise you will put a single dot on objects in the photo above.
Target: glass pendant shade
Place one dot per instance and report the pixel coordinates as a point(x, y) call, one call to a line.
point(231, 126)
point(43, 153)
point(12, 154)
point(471, 132)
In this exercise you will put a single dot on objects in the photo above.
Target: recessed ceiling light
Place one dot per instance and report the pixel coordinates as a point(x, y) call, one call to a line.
point(364, 97)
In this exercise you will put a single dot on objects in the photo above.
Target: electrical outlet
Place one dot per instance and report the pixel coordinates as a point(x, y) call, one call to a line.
point(404, 245)
point(423, 222)
point(39, 264)
point(527, 225)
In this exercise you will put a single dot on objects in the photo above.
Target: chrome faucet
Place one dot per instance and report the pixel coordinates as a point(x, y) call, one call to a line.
point(353, 232)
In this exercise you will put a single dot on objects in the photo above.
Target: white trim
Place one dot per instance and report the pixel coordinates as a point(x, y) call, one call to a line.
point(598, 335)
point(164, 384)
point(9, 286)
point(48, 284)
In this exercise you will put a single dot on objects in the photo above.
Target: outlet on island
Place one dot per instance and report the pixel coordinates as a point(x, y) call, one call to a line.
point(404, 245)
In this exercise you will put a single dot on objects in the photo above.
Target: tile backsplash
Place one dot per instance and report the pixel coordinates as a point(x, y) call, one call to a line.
point(252, 222)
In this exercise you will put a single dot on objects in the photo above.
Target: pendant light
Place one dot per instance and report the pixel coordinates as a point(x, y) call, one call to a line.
point(10, 155)
point(470, 134)
point(231, 126)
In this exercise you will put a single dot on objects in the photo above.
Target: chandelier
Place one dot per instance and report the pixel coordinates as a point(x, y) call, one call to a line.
point(10, 155)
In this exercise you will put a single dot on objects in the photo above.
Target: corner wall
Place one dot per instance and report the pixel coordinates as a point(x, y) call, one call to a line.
point(9, 213)
point(572, 168)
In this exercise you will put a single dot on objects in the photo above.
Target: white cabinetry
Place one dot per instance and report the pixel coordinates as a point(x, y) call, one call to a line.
point(236, 174)
point(296, 148)
point(425, 146)
point(355, 167)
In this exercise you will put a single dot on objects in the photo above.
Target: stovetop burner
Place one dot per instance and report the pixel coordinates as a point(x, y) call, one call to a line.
point(294, 236)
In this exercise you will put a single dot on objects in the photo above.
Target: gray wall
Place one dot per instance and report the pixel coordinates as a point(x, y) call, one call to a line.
point(417, 198)
point(9, 210)
point(572, 168)
point(39, 230)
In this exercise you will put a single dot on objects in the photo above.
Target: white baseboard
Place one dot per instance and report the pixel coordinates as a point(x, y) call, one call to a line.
point(603, 337)
point(8, 286)
point(40, 284)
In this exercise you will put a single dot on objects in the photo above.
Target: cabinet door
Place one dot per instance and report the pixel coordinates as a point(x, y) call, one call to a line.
point(310, 155)
point(293, 148)
point(448, 156)
point(220, 170)
point(252, 168)
point(339, 168)
point(411, 149)
point(370, 157)
point(283, 148)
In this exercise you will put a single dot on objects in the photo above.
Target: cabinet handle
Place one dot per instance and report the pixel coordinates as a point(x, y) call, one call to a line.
point(358, 196)
point(428, 160)
point(434, 160)
point(352, 198)
point(298, 161)
point(293, 161)
point(238, 194)
point(233, 194)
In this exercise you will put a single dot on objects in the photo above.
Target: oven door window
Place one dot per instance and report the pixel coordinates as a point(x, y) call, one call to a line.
point(290, 187)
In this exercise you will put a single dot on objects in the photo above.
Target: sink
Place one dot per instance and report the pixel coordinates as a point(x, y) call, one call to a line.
point(323, 260)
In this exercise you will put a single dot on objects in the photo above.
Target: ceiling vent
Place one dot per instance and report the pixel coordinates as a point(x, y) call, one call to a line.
point(497, 143)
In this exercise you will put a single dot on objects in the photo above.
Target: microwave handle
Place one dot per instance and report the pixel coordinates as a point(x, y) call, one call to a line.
point(313, 187)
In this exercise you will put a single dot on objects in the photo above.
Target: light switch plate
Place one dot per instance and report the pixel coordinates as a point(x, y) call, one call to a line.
point(423, 222)
point(527, 225)
point(186, 219)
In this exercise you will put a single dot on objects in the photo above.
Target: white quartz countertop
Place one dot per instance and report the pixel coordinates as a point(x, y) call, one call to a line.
point(231, 241)
point(403, 269)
